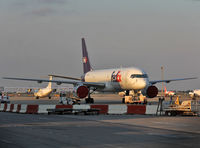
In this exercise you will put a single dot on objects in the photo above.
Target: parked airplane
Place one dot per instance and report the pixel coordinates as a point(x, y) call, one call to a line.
point(194, 93)
point(108, 80)
point(169, 93)
point(44, 92)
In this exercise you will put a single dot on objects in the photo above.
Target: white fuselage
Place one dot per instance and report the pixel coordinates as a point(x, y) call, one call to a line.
point(119, 79)
point(43, 92)
point(195, 92)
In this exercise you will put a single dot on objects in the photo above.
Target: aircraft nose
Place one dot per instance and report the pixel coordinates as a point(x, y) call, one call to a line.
point(142, 83)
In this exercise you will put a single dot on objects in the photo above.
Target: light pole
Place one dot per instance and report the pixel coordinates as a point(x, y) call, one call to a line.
point(162, 78)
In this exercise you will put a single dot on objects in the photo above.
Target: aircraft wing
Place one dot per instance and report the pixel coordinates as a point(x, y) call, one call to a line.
point(167, 81)
point(65, 77)
point(58, 82)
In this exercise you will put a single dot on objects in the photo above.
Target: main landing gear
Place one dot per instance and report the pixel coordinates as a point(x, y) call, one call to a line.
point(89, 99)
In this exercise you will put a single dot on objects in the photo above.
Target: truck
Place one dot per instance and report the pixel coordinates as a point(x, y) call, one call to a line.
point(188, 107)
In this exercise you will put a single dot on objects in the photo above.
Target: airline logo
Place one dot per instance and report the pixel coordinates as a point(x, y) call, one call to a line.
point(116, 77)
point(85, 60)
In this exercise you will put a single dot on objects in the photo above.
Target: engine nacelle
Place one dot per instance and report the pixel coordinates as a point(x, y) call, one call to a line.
point(150, 91)
point(81, 91)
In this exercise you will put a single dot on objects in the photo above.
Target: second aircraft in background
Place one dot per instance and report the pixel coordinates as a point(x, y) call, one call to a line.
point(44, 92)
point(169, 93)
point(195, 93)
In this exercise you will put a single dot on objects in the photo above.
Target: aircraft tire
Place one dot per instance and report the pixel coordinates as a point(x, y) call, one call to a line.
point(145, 101)
point(123, 100)
point(37, 97)
point(86, 100)
point(89, 100)
point(49, 97)
point(174, 113)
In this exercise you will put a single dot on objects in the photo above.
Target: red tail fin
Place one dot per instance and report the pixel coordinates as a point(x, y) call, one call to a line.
point(165, 89)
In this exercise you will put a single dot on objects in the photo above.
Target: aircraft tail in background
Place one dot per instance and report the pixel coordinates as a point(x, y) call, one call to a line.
point(169, 93)
point(165, 90)
point(50, 83)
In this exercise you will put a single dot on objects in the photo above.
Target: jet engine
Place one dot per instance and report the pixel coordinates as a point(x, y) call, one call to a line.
point(81, 91)
point(150, 91)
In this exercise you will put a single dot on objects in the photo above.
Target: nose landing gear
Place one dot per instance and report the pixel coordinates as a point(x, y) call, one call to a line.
point(135, 98)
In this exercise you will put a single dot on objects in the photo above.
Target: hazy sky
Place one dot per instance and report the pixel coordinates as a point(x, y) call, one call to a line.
point(39, 37)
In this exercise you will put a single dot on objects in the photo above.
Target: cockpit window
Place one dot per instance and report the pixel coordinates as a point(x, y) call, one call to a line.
point(139, 76)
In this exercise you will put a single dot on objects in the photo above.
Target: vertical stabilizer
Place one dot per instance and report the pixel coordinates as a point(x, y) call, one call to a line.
point(86, 61)
point(49, 85)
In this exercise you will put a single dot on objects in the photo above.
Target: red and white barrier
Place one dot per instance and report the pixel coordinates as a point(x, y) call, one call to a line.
point(11, 107)
point(104, 109)
point(5, 107)
point(117, 109)
point(32, 109)
point(23, 108)
point(14, 108)
point(1, 107)
point(42, 109)
point(8, 108)
point(151, 109)
point(84, 106)
point(136, 109)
